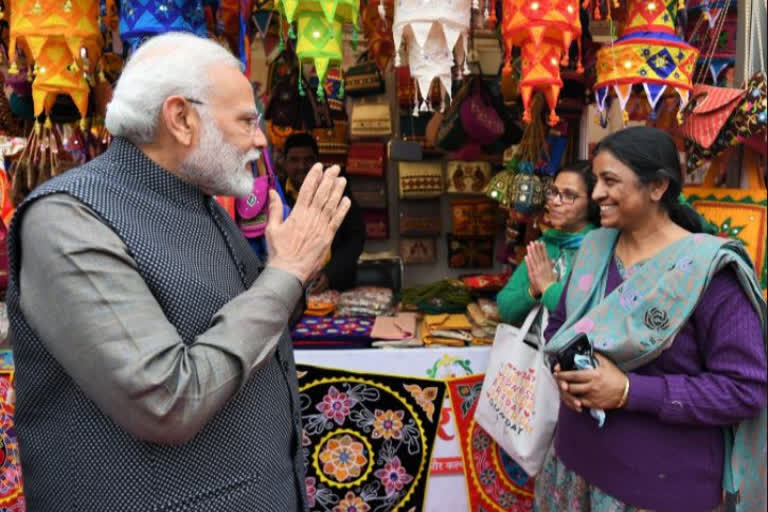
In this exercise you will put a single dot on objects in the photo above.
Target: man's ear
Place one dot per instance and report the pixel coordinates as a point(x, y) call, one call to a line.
point(181, 120)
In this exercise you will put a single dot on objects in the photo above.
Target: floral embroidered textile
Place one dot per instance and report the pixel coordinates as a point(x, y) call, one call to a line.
point(495, 482)
point(367, 439)
point(11, 488)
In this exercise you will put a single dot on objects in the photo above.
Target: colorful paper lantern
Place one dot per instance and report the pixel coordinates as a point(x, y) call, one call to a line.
point(648, 53)
point(319, 40)
point(62, 42)
point(141, 19)
point(544, 30)
point(319, 29)
point(431, 30)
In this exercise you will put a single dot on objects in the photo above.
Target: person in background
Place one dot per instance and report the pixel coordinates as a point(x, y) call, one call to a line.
point(339, 272)
point(540, 278)
point(154, 369)
point(676, 320)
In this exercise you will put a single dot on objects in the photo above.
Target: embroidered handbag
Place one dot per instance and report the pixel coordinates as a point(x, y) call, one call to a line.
point(467, 177)
point(479, 119)
point(363, 79)
point(470, 252)
point(414, 128)
point(371, 120)
point(367, 159)
point(746, 121)
point(418, 250)
point(420, 218)
point(473, 217)
point(368, 192)
point(332, 140)
point(376, 224)
point(708, 110)
point(253, 209)
point(420, 180)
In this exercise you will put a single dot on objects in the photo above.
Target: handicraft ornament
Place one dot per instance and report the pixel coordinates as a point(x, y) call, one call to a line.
point(319, 29)
point(431, 30)
point(544, 31)
point(648, 53)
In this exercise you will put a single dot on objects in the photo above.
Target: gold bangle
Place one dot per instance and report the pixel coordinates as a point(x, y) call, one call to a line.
point(625, 395)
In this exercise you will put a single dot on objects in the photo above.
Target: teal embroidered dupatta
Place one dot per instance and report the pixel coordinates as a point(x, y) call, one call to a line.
point(641, 318)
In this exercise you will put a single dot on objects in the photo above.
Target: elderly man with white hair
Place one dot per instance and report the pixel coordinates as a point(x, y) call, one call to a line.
point(154, 369)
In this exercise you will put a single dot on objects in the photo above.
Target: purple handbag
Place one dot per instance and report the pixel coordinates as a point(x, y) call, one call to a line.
point(479, 119)
point(252, 210)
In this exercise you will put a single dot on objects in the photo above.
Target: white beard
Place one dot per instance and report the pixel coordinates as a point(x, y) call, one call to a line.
point(216, 166)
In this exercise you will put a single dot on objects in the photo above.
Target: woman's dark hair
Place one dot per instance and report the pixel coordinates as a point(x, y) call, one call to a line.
point(652, 154)
point(584, 169)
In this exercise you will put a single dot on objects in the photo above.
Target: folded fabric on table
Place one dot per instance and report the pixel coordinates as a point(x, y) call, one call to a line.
point(411, 342)
point(322, 304)
point(490, 309)
point(336, 328)
point(446, 329)
point(332, 344)
point(366, 300)
point(402, 326)
point(478, 316)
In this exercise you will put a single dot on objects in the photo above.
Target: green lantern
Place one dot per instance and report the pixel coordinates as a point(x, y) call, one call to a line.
point(319, 30)
point(527, 190)
point(319, 40)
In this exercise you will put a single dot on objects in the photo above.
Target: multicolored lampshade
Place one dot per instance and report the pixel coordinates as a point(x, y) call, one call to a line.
point(319, 30)
point(431, 30)
point(544, 30)
point(648, 53)
point(62, 42)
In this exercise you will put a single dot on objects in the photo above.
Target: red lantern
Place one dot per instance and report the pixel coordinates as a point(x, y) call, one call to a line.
point(544, 30)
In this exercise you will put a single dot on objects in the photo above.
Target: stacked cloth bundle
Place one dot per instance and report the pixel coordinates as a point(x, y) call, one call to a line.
point(322, 304)
point(396, 331)
point(366, 301)
point(484, 315)
point(453, 330)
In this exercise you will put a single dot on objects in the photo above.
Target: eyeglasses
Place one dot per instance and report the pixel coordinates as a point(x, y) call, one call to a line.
point(253, 122)
point(566, 197)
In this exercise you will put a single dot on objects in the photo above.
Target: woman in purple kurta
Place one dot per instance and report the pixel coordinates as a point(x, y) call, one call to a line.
point(662, 445)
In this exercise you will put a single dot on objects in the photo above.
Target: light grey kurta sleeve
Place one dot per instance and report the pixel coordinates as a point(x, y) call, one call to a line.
point(82, 294)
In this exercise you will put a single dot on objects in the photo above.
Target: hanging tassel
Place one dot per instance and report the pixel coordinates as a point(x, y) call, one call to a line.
point(579, 65)
point(625, 117)
point(415, 111)
point(382, 11)
point(302, 93)
point(492, 20)
point(553, 119)
point(291, 33)
point(13, 70)
point(341, 89)
point(320, 91)
point(424, 106)
point(354, 39)
point(475, 5)
point(527, 115)
point(84, 124)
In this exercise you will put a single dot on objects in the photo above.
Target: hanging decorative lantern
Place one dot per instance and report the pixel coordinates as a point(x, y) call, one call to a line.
point(648, 53)
point(319, 29)
point(431, 30)
point(378, 16)
point(544, 30)
point(62, 44)
point(142, 19)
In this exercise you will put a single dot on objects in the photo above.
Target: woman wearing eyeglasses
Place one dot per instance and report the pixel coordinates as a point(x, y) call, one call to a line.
point(541, 277)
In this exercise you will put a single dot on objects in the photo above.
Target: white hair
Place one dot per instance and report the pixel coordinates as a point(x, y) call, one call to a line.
point(175, 63)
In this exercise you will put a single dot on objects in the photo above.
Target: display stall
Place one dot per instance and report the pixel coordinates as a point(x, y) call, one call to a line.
point(450, 119)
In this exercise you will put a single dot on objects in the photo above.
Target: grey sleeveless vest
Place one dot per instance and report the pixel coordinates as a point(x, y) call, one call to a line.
point(192, 256)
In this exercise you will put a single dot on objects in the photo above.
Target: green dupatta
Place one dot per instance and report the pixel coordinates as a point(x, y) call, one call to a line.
point(642, 316)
